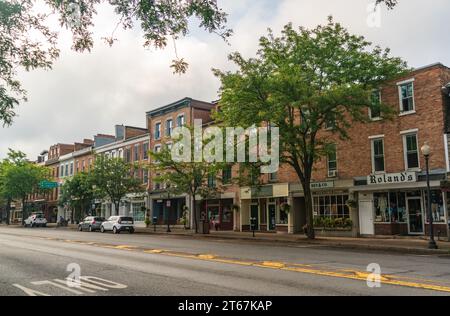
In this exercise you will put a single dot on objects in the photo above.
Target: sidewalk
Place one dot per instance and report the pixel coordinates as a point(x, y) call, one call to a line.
point(411, 245)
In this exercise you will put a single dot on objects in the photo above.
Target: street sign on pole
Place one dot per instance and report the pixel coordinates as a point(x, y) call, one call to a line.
point(48, 185)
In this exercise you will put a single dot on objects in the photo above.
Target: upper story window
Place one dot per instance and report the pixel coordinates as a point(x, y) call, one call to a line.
point(226, 174)
point(378, 155)
point(83, 165)
point(61, 173)
point(66, 173)
point(157, 130)
point(406, 91)
point(330, 122)
point(169, 127)
point(374, 110)
point(411, 151)
point(211, 180)
point(273, 176)
point(71, 168)
point(127, 154)
point(145, 149)
point(180, 120)
point(332, 162)
point(136, 152)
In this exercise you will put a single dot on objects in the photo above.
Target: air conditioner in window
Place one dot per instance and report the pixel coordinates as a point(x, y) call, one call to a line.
point(332, 173)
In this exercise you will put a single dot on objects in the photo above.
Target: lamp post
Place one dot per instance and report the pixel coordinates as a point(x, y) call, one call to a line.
point(426, 151)
point(168, 206)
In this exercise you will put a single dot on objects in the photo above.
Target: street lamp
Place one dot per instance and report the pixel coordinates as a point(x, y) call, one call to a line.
point(426, 151)
point(168, 206)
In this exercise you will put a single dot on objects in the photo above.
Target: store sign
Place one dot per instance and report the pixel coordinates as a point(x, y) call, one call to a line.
point(322, 185)
point(392, 178)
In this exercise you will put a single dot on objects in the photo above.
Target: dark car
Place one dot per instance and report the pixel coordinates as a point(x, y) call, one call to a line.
point(91, 223)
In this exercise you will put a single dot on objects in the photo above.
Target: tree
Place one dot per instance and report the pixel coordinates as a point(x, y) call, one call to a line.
point(389, 3)
point(196, 178)
point(20, 178)
point(78, 193)
point(27, 42)
point(305, 82)
point(112, 178)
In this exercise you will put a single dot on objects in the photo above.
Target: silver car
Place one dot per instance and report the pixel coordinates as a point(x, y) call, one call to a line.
point(118, 224)
point(91, 223)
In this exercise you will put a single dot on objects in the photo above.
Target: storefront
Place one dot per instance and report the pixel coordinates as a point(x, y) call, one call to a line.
point(396, 204)
point(268, 205)
point(219, 212)
point(168, 210)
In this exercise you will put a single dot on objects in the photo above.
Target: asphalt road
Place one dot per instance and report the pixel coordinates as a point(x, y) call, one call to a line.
point(37, 262)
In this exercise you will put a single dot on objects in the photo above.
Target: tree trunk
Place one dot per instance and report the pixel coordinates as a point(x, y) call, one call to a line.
point(24, 211)
point(116, 208)
point(309, 210)
point(194, 213)
point(8, 210)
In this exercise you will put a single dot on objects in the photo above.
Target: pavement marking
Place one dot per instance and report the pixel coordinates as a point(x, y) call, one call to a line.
point(283, 266)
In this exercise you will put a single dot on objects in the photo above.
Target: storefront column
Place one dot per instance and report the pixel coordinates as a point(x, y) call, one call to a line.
point(245, 215)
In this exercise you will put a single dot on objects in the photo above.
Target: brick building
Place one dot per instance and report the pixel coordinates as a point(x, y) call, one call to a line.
point(132, 144)
point(380, 167)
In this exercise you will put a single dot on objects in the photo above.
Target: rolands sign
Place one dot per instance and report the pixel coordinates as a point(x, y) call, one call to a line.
point(392, 178)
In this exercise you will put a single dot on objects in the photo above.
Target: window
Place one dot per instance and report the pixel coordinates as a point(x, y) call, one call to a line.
point(330, 122)
point(77, 167)
point(61, 173)
point(390, 207)
point(411, 151)
point(127, 154)
point(273, 176)
point(331, 206)
point(282, 215)
point(407, 97)
point(378, 155)
point(71, 168)
point(138, 211)
point(136, 152)
point(145, 150)
point(226, 175)
point(157, 130)
point(145, 176)
point(374, 110)
point(180, 120)
point(157, 148)
point(332, 161)
point(66, 173)
point(169, 128)
point(82, 165)
point(211, 180)
point(437, 206)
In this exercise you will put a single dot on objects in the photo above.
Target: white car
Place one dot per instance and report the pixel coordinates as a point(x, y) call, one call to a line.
point(35, 220)
point(118, 224)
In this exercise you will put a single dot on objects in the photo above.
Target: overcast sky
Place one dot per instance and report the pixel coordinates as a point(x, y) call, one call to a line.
point(89, 93)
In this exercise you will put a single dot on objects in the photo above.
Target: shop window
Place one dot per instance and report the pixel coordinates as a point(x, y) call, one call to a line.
point(138, 211)
point(331, 206)
point(282, 218)
point(227, 214)
point(437, 206)
point(390, 207)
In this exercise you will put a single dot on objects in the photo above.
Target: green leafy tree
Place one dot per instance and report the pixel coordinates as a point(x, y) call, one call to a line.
point(27, 42)
point(78, 194)
point(112, 179)
point(304, 82)
point(188, 176)
point(20, 178)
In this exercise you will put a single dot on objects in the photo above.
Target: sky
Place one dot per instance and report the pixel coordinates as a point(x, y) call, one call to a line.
point(85, 94)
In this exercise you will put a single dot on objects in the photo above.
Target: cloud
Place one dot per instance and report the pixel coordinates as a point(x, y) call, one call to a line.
point(89, 93)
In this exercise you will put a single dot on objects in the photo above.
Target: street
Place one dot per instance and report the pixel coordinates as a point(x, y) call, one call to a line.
point(38, 261)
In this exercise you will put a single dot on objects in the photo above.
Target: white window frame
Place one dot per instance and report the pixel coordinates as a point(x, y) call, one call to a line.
point(159, 130)
point(184, 119)
point(328, 161)
point(405, 151)
point(168, 131)
point(400, 97)
point(372, 145)
point(378, 118)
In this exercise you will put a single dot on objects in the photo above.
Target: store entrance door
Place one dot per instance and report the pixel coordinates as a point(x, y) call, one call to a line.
point(415, 216)
point(272, 217)
point(254, 212)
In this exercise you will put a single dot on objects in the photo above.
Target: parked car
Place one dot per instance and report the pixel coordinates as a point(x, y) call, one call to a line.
point(118, 224)
point(91, 223)
point(35, 220)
